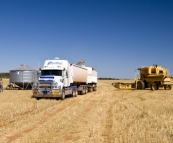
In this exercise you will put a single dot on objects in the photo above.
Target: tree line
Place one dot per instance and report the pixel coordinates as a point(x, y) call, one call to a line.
point(100, 78)
point(4, 75)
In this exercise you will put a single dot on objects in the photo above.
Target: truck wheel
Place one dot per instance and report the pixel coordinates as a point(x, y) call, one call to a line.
point(73, 94)
point(76, 93)
point(140, 84)
point(167, 87)
point(62, 95)
point(154, 86)
point(38, 98)
point(95, 88)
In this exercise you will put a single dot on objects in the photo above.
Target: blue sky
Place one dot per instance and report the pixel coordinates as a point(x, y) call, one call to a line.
point(113, 36)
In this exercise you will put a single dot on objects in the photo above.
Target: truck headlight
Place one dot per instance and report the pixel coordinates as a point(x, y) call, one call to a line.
point(56, 86)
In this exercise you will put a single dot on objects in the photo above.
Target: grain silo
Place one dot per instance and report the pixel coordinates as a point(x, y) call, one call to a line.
point(23, 76)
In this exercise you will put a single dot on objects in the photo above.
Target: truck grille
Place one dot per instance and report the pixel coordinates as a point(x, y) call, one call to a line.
point(45, 86)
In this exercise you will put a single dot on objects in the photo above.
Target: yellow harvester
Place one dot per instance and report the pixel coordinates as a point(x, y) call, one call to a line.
point(150, 77)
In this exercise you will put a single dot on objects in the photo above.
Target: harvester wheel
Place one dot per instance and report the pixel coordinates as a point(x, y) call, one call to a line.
point(140, 84)
point(170, 87)
point(167, 87)
point(154, 86)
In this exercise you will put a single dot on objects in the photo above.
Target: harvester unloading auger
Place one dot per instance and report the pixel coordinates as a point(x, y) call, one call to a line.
point(150, 77)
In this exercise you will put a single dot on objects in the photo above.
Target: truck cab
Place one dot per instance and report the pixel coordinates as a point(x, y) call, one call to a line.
point(55, 76)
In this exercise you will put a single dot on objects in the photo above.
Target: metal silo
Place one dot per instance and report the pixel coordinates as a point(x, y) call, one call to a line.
point(23, 76)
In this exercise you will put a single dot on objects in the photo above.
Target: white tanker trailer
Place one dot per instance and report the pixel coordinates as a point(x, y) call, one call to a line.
point(60, 78)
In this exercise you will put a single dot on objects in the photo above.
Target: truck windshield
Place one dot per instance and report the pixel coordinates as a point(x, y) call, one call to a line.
point(51, 72)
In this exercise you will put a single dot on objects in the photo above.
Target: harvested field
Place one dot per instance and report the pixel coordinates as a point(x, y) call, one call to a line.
point(108, 115)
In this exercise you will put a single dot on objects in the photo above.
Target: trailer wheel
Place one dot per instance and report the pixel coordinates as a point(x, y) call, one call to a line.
point(95, 88)
point(62, 95)
point(167, 87)
point(140, 84)
point(90, 89)
point(86, 90)
point(83, 92)
point(154, 86)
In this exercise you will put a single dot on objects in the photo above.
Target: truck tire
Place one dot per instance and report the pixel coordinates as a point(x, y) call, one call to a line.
point(90, 89)
point(140, 84)
point(76, 93)
point(95, 88)
point(38, 98)
point(83, 92)
point(167, 87)
point(73, 94)
point(63, 95)
point(154, 86)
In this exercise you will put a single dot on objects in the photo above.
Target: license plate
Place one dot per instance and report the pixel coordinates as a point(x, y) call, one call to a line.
point(56, 92)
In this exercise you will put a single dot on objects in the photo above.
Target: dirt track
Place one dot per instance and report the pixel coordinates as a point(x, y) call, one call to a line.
point(108, 115)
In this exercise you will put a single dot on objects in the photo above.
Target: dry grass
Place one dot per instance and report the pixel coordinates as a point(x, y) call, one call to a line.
point(108, 115)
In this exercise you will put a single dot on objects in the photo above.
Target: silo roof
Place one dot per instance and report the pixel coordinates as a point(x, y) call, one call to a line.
point(23, 67)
